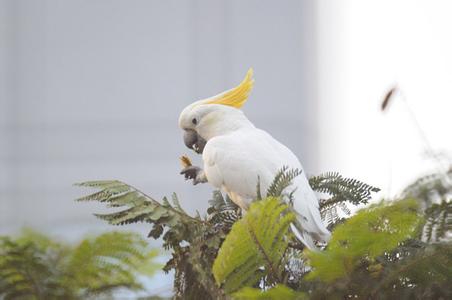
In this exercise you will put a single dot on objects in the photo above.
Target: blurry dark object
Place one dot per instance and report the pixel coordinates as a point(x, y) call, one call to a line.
point(429, 151)
point(388, 98)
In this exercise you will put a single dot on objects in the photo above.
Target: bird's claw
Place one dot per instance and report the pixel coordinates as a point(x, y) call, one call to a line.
point(192, 172)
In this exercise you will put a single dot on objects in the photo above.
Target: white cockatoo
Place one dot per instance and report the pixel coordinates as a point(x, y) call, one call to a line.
point(236, 155)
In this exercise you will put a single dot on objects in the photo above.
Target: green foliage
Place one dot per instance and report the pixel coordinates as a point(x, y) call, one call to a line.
point(116, 256)
point(378, 254)
point(341, 191)
point(33, 266)
point(414, 270)
point(25, 271)
point(439, 221)
point(282, 180)
point(139, 207)
point(257, 240)
point(429, 188)
point(434, 191)
point(193, 241)
point(368, 234)
point(275, 293)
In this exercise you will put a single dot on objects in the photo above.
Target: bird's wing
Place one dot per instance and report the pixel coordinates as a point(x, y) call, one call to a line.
point(236, 161)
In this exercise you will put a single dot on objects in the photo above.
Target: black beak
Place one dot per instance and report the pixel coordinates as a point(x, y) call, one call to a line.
point(194, 141)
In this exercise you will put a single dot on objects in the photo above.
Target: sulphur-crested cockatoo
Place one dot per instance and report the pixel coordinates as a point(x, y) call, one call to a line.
point(236, 155)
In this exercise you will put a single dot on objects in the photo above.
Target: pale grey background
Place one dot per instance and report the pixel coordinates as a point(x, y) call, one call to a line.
point(93, 90)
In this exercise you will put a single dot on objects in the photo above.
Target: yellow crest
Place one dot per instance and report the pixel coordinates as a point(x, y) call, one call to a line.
point(237, 96)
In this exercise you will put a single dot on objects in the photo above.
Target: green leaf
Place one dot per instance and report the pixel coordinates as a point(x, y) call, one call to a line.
point(426, 266)
point(282, 180)
point(138, 207)
point(276, 293)
point(33, 266)
point(255, 246)
point(438, 221)
point(178, 229)
point(110, 259)
point(342, 189)
point(368, 234)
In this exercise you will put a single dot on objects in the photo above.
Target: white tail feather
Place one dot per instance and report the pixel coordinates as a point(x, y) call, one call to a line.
point(306, 207)
point(303, 237)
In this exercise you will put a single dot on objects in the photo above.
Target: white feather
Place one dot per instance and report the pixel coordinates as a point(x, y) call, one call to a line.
point(235, 160)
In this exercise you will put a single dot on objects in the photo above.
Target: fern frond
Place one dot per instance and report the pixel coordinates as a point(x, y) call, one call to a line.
point(282, 180)
point(256, 241)
point(204, 237)
point(426, 268)
point(33, 266)
point(366, 235)
point(23, 272)
point(342, 189)
point(430, 187)
point(109, 261)
point(438, 221)
point(138, 207)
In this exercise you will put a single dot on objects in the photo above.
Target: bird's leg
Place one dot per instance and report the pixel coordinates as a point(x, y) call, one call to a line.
point(195, 173)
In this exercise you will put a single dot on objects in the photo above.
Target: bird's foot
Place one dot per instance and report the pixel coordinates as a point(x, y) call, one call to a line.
point(195, 173)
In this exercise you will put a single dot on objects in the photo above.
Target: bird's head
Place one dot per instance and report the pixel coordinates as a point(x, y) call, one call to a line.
point(215, 116)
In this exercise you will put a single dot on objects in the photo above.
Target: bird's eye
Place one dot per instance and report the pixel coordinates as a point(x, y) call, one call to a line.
point(194, 121)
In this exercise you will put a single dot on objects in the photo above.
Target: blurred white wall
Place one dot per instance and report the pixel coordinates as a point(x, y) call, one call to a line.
point(93, 89)
point(365, 48)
